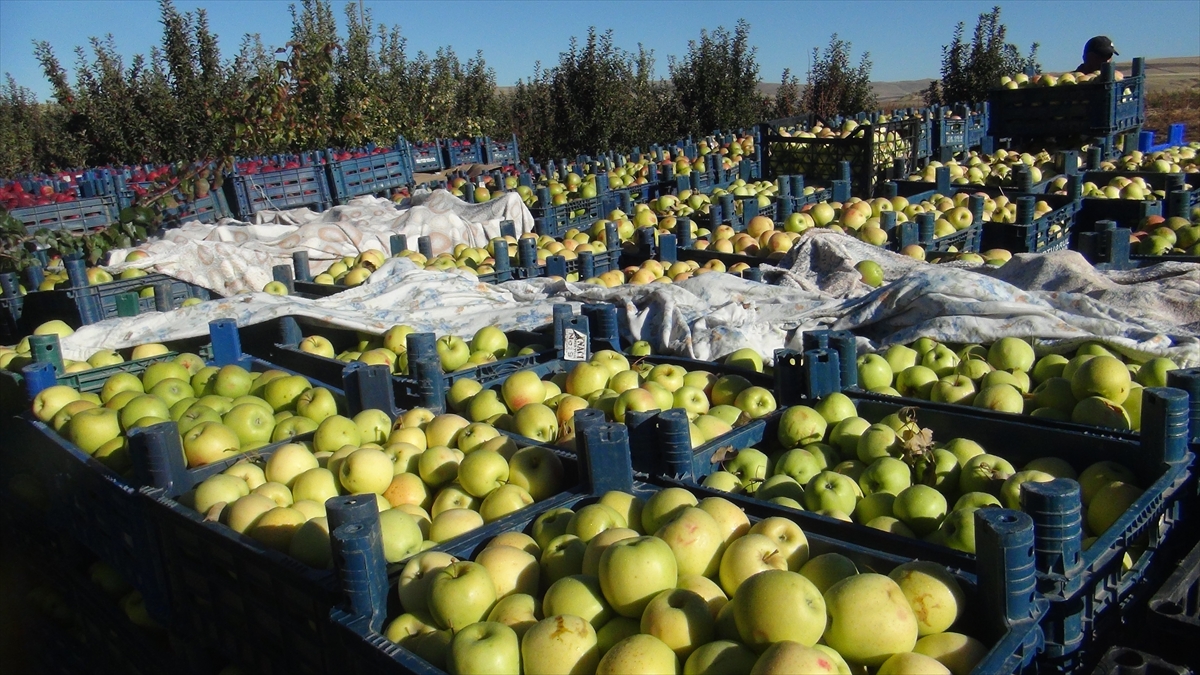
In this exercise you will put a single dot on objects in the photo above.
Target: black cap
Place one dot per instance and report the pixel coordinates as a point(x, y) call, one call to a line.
point(1101, 46)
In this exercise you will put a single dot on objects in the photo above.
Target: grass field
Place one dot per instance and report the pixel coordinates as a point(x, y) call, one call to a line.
point(1164, 108)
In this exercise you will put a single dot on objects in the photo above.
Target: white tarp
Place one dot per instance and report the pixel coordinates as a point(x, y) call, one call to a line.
point(232, 257)
point(1057, 298)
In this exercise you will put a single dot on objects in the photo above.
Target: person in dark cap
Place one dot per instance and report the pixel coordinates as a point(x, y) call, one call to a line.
point(1097, 52)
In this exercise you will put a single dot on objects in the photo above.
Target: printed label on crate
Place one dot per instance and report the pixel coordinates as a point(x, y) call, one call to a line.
point(575, 345)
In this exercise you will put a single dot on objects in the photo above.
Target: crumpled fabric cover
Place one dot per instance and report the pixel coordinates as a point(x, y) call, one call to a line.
point(232, 257)
point(1058, 299)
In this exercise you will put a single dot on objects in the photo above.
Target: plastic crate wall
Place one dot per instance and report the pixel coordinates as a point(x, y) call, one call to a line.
point(375, 173)
point(76, 216)
point(1098, 108)
point(283, 189)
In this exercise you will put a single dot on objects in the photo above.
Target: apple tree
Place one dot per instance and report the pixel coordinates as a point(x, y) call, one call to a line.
point(834, 86)
point(970, 69)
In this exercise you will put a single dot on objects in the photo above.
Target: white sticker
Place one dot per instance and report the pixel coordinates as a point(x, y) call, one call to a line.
point(575, 345)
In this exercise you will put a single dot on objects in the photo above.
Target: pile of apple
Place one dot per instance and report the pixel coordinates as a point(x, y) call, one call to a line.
point(996, 169)
point(1119, 187)
point(433, 477)
point(1023, 81)
point(623, 586)
point(221, 412)
point(1178, 159)
point(488, 345)
point(1168, 236)
point(13, 195)
point(544, 410)
point(1093, 387)
point(891, 476)
point(888, 145)
point(14, 358)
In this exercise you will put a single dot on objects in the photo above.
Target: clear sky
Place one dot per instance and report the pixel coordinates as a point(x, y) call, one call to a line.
point(904, 36)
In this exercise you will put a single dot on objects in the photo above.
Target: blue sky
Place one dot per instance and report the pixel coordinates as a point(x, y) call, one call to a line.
point(904, 38)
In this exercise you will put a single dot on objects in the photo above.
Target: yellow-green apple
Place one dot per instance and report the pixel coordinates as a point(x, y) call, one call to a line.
point(486, 405)
point(218, 489)
point(459, 396)
point(517, 611)
point(1107, 505)
point(145, 405)
point(461, 594)
point(593, 519)
point(720, 656)
point(231, 381)
point(490, 339)
point(453, 352)
point(613, 361)
point(681, 619)
point(334, 432)
point(171, 390)
point(756, 402)
point(934, 595)
point(283, 393)
point(846, 434)
point(276, 492)
point(746, 556)
point(908, 663)
point(452, 523)
point(731, 520)
point(251, 423)
point(443, 430)
point(562, 557)
point(118, 383)
point(599, 543)
point(316, 403)
point(827, 569)
point(745, 358)
point(830, 490)
point(521, 389)
point(789, 539)
point(416, 579)
point(587, 378)
point(452, 496)
point(1099, 475)
point(633, 571)
point(242, 514)
point(870, 619)
point(560, 644)
point(482, 471)
point(407, 488)
point(957, 652)
point(538, 470)
point(577, 595)
point(418, 633)
point(639, 654)
point(512, 570)
point(696, 539)
point(249, 472)
point(486, 648)
point(1011, 353)
point(504, 500)
point(209, 442)
point(291, 427)
point(276, 528)
point(727, 387)
point(537, 421)
point(979, 471)
point(365, 471)
point(317, 484)
point(692, 400)
point(921, 508)
point(776, 605)
point(310, 544)
point(799, 426)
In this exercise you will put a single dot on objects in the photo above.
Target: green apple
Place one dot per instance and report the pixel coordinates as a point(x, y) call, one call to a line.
point(586, 378)
point(633, 571)
point(827, 569)
point(418, 633)
point(453, 352)
point(963, 449)
point(210, 442)
point(231, 381)
point(1153, 373)
point(1010, 491)
point(726, 389)
point(317, 484)
point(521, 389)
point(680, 619)
point(793, 657)
point(873, 372)
point(443, 430)
point(482, 471)
point(251, 423)
point(217, 489)
point(720, 656)
point(291, 427)
point(316, 404)
point(638, 654)
point(334, 432)
point(461, 594)
point(799, 426)
point(401, 535)
point(957, 652)
point(957, 530)
point(869, 619)
point(916, 381)
point(745, 358)
point(696, 539)
point(512, 570)
point(560, 644)
point(1109, 504)
point(845, 435)
point(517, 611)
point(504, 500)
point(485, 405)
point(900, 358)
point(934, 595)
point(909, 663)
point(975, 500)
point(492, 340)
point(414, 585)
point(537, 421)
point(249, 472)
point(873, 506)
point(693, 401)
point(118, 383)
point(1011, 353)
point(921, 508)
point(486, 648)
point(365, 471)
point(242, 515)
point(1103, 376)
point(562, 557)
point(747, 556)
point(593, 519)
point(144, 405)
point(878, 441)
point(756, 402)
point(461, 392)
point(538, 470)
point(577, 595)
point(663, 506)
point(171, 391)
point(830, 490)
point(283, 393)
point(979, 472)
point(50, 400)
point(613, 361)
point(1050, 365)
point(453, 523)
point(164, 370)
point(1099, 475)
point(777, 605)
point(789, 539)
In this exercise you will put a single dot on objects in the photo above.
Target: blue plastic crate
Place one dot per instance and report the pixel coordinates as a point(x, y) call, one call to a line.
point(82, 304)
point(1006, 620)
point(1122, 660)
point(1051, 232)
point(1173, 620)
point(76, 216)
point(1098, 108)
point(555, 220)
point(496, 151)
point(424, 156)
point(283, 189)
point(97, 507)
point(1175, 137)
point(460, 152)
point(375, 173)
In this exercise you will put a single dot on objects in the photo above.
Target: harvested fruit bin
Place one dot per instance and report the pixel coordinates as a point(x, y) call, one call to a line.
point(76, 216)
point(84, 304)
point(1100, 108)
point(260, 591)
point(283, 189)
point(374, 173)
point(92, 489)
point(1173, 623)
point(998, 606)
